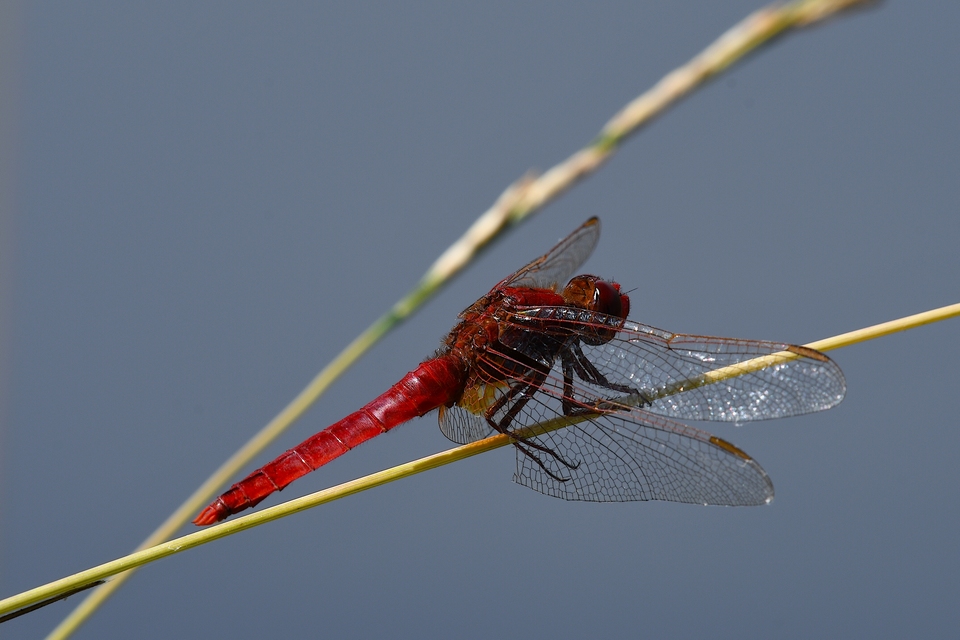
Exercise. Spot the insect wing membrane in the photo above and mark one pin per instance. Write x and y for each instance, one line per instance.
(630, 454)
(552, 270)
(669, 370)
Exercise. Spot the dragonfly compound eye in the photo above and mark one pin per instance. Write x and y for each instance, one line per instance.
(608, 299)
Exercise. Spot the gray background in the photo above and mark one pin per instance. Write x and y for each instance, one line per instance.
(213, 200)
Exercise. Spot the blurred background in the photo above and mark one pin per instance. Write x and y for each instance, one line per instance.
(205, 202)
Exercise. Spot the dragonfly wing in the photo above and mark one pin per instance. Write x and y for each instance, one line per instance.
(672, 371)
(808, 382)
(462, 426)
(641, 456)
(553, 270)
(625, 454)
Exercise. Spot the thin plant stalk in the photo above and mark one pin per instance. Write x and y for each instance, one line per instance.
(519, 201)
(57, 589)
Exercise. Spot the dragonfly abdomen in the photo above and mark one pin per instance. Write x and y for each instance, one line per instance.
(436, 382)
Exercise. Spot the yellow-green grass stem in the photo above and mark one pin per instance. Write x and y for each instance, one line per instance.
(58, 588)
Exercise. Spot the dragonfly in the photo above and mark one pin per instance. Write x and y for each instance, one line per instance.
(544, 347)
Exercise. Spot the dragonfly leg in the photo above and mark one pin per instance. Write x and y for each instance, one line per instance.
(503, 426)
(520, 394)
(539, 462)
(574, 362)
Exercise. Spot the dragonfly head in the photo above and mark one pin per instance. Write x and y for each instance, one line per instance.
(592, 293)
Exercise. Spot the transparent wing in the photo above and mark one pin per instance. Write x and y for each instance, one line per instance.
(640, 456)
(557, 266)
(463, 426)
(625, 453)
(671, 371)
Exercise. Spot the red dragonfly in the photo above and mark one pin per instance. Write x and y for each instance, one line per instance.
(533, 349)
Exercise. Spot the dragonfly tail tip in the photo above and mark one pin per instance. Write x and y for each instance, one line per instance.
(207, 516)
